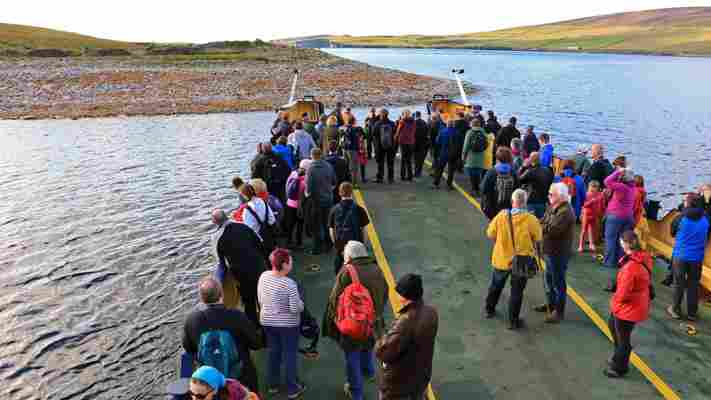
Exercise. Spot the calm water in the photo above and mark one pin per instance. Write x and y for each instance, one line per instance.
(105, 223)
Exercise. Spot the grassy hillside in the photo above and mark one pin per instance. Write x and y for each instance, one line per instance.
(22, 38)
(671, 31)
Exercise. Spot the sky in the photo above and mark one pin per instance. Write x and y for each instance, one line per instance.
(213, 20)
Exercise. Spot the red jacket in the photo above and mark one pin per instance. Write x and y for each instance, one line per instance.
(406, 131)
(631, 299)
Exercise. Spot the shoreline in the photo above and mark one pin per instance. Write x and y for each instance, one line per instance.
(95, 87)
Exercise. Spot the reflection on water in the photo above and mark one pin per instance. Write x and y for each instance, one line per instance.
(105, 222)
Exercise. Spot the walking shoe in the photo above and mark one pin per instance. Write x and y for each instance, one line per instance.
(611, 373)
(347, 390)
(489, 314)
(298, 392)
(273, 390)
(553, 318)
(691, 318)
(435, 187)
(668, 280)
(672, 313)
(542, 308)
(515, 324)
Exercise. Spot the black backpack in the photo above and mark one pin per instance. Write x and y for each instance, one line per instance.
(346, 224)
(386, 136)
(479, 144)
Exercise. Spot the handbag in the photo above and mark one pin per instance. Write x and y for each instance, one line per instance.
(521, 266)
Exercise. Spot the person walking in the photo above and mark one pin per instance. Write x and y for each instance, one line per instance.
(476, 143)
(691, 232)
(280, 315)
(320, 181)
(558, 231)
(630, 303)
(405, 136)
(359, 267)
(422, 143)
(346, 221)
(406, 351)
(515, 232)
(385, 146)
(445, 140)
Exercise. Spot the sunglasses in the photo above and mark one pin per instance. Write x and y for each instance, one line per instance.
(199, 396)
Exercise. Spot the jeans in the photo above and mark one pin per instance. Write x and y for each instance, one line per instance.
(420, 156)
(498, 281)
(320, 226)
(686, 279)
(381, 157)
(359, 363)
(283, 347)
(556, 287)
(614, 227)
(406, 163)
(621, 337)
(475, 174)
(537, 209)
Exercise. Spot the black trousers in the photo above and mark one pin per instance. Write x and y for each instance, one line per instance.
(420, 156)
(687, 276)
(338, 262)
(320, 225)
(407, 150)
(382, 157)
(451, 170)
(621, 336)
(249, 298)
(293, 222)
(498, 281)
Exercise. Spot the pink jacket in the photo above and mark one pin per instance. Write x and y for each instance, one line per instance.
(621, 204)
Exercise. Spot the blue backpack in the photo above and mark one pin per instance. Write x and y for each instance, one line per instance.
(217, 349)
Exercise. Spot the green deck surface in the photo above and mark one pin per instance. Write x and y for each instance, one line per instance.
(440, 235)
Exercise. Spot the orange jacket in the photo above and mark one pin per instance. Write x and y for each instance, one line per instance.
(631, 299)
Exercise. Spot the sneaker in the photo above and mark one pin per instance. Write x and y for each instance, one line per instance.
(273, 390)
(347, 390)
(691, 318)
(672, 313)
(298, 392)
(611, 373)
(542, 308)
(489, 314)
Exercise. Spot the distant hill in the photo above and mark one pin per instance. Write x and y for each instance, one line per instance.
(24, 38)
(676, 31)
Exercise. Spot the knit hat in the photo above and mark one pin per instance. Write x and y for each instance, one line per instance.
(410, 287)
(211, 376)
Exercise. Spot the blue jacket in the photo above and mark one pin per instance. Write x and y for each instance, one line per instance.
(547, 155)
(691, 236)
(580, 194)
(284, 152)
(443, 142)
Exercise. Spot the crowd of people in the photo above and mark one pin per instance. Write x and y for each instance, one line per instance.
(301, 185)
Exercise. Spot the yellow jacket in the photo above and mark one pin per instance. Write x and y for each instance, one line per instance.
(528, 231)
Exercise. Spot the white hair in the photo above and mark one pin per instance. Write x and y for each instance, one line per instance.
(354, 250)
(561, 189)
(520, 197)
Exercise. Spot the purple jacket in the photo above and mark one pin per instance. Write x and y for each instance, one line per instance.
(622, 202)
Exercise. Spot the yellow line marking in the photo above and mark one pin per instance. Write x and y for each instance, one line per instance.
(395, 302)
(661, 386)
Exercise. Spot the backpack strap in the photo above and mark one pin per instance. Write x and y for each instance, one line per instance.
(353, 273)
(254, 214)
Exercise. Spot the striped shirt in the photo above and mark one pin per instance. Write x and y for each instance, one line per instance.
(279, 301)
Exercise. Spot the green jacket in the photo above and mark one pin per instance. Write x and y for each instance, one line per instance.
(472, 159)
(372, 278)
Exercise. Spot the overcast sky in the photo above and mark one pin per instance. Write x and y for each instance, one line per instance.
(203, 21)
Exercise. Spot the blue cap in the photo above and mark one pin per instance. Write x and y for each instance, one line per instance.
(211, 376)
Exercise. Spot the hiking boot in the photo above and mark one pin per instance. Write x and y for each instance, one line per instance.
(542, 308)
(553, 318)
(673, 313)
(299, 391)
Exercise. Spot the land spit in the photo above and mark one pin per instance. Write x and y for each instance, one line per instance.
(256, 80)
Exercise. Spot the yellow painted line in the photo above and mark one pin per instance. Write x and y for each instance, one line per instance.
(384, 267)
(636, 360)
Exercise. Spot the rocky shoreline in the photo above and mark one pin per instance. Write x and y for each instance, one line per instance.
(85, 87)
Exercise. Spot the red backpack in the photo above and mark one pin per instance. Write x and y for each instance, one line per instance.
(570, 183)
(355, 313)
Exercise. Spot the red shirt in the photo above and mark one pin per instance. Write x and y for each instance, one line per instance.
(631, 299)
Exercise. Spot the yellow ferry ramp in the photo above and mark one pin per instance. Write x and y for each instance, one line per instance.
(385, 267)
(664, 389)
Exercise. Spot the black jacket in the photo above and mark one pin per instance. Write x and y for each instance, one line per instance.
(422, 137)
(492, 126)
(241, 250)
(273, 170)
(506, 134)
(598, 171)
(530, 143)
(376, 133)
(343, 174)
(218, 317)
(539, 179)
(490, 206)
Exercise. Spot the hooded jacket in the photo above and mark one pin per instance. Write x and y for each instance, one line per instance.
(579, 199)
(285, 153)
(547, 155)
(630, 302)
(691, 233)
(320, 181)
(471, 158)
(621, 204)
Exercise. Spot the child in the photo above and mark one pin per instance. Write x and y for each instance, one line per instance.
(640, 196)
(591, 215)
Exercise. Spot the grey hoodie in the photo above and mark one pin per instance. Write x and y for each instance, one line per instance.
(320, 181)
(303, 142)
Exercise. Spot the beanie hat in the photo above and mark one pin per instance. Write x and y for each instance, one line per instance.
(211, 376)
(410, 287)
